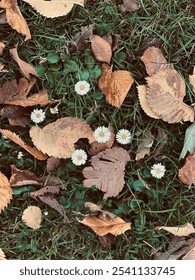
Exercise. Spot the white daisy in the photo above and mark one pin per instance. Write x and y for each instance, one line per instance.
(82, 87)
(158, 170)
(79, 157)
(102, 134)
(37, 115)
(54, 110)
(20, 155)
(123, 136)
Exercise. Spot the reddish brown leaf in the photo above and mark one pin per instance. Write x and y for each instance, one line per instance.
(115, 85)
(101, 49)
(17, 115)
(52, 164)
(187, 172)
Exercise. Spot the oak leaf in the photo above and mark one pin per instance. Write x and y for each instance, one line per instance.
(192, 79)
(101, 49)
(182, 230)
(2, 255)
(32, 150)
(25, 68)
(129, 6)
(14, 93)
(107, 171)
(104, 224)
(187, 172)
(15, 18)
(154, 61)
(115, 85)
(53, 8)
(32, 217)
(5, 191)
(17, 115)
(57, 139)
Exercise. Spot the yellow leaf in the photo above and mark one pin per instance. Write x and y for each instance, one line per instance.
(182, 230)
(32, 217)
(5, 191)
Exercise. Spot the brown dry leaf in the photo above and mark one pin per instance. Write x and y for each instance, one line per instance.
(17, 115)
(112, 40)
(106, 240)
(182, 230)
(32, 150)
(2, 69)
(165, 93)
(191, 254)
(187, 172)
(154, 61)
(129, 6)
(3, 19)
(99, 147)
(2, 255)
(162, 140)
(57, 139)
(53, 8)
(145, 142)
(5, 191)
(14, 93)
(25, 68)
(101, 49)
(52, 164)
(107, 171)
(192, 79)
(15, 18)
(115, 85)
(81, 42)
(32, 217)
(104, 225)
(2, 46)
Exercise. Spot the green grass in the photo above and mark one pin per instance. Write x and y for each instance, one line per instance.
(167, 24)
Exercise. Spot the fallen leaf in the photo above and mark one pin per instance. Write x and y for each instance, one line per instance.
(115, 85)
(182, 230)
(32, 150)
(190, 255)
(106, 240)
(162, 141)
(52, 164)
(14, 93)
(145, 142)
(99, 147)
(192, 79)
(154, 61)
(2, 46)
(189, 141)
(25, 68)
(3, 19)
(32, 217)
(81, 44)
(101, 49)
(2, 69)
(107, 171)
(165, 92)
(53, 8)
(187, 172)
(2, 255)
(57, 139)
(112, 40)
(5, 192)
(102, 226)
(129, 6)
(17, 115)
(15, 18)
(96, 208)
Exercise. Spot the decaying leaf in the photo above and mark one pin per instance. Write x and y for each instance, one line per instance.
(53, 8)
(25, 68)
(57, 139)
(106, 240)
(17, 115)
(112, 40)
(145, 142)
(15, 18)
(52, 164)
(129, 6)
(14, 93)
(32, 150)
(182, 230)
(115, 85)
(99, 147)
(81, 41)
(104, 225)
(154, 61)
(107, 171)
(5, 191)
(164, 93)
(32, 217)
(189, 141)
(187, 172)
(162, 140)
(101, 49)
(2, 255)
(192, 79)
(2, 46)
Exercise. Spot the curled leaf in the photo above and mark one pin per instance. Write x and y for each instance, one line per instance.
(32, 217)
(5, 192)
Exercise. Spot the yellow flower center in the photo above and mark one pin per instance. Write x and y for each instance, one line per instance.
(101, 133)
(158, 170)
(38, 115)
(82, 87)
(79, 157)
(124, 136)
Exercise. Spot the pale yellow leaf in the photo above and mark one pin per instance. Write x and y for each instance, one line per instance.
(5, 192)
(2, 255)
(32, 217)
(182, 230)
